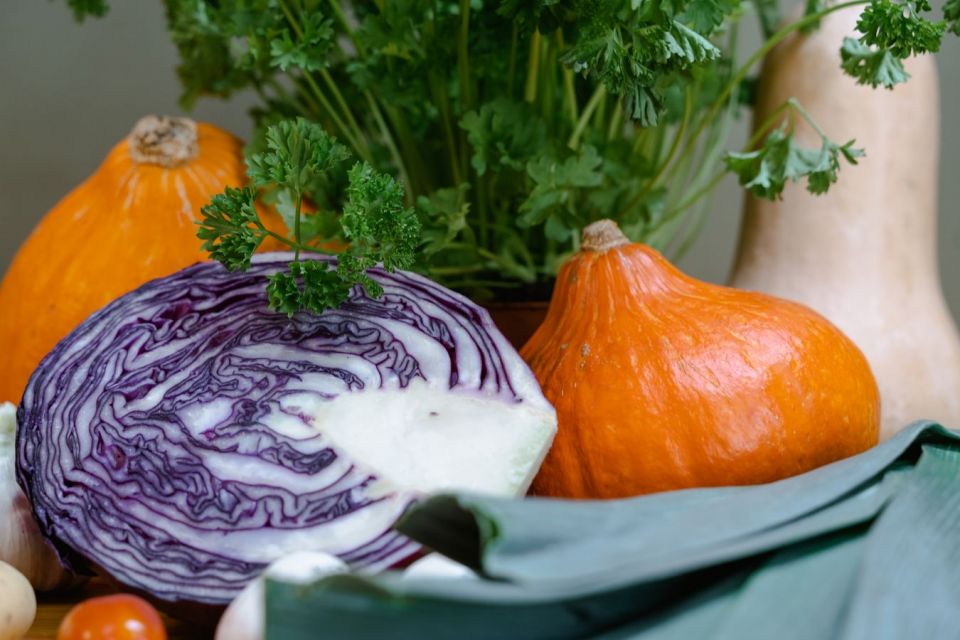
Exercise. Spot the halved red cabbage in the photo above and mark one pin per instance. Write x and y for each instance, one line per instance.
(185, 436)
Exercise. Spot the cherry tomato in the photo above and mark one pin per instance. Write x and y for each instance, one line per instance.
(118, 617)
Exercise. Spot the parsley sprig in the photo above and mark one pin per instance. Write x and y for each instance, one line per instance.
(892, 30)
(298, 162)
(766, 170)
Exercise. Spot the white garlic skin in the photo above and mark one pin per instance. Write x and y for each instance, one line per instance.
(18, 604)
(21, 543)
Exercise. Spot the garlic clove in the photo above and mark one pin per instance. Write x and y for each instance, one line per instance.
(18, 604)
(435, 565)
(245, 618)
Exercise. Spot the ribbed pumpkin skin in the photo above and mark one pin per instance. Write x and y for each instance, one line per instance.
(663, 382)
(128, 223)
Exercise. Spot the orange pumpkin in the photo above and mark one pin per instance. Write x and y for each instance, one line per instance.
(662, 382)
(131, 221)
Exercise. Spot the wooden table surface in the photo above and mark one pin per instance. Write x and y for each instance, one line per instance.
(52, 609)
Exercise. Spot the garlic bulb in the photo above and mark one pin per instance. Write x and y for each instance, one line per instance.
(21, 544)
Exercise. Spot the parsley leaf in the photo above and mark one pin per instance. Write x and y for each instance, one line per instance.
(706, 16)
(299, 156)
(552, 199)
(444, 216)
(83, 9)
(951, 12)
(376, 223)
(309, 284)
(307, 51)
(631, 52)
(207, 37)
(766, 171)
(230, 228)
(875, 67)
(892, 31)
(899, 28)
(503, 134)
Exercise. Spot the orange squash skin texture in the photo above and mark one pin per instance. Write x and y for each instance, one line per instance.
(128, 223)
(662, 382)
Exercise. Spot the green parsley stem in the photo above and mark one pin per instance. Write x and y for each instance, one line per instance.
(341, 125)
(767, 124)
(347, 29)
(775, 117)
(501, 263)
(442, 101)
(391, 145)
(473, 283)
(570, 93)
(296, 226)
(692, 231)
(463, 60)
(483, 209)
(547, 91)
(595, 99)
(713, 148)
(458, 271)
(290, 18)
(533, 69)
(305, 97)
(695, 196)
(754, 139)
(512, 65)
(671, 154)
(282, 239)
(357, 132)
(421, 179)
(278, 89)
(677, 138)
(796, 106)
(616, 120)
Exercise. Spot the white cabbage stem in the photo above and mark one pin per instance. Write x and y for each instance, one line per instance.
(21, 543)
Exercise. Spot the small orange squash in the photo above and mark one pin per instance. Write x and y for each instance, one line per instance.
(663, 382)
(131, 221)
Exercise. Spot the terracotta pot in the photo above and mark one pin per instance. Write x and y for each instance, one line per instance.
(517, 320)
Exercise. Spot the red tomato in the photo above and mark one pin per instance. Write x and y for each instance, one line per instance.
(119, 617)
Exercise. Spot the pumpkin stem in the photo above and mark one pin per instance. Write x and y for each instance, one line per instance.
(163, 140)
(602, 235)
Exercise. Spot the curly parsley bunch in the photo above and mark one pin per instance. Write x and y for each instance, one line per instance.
(473, 139)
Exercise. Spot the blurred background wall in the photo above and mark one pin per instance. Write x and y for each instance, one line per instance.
(69, 92)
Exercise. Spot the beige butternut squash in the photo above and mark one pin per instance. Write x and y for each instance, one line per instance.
(865, 254)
